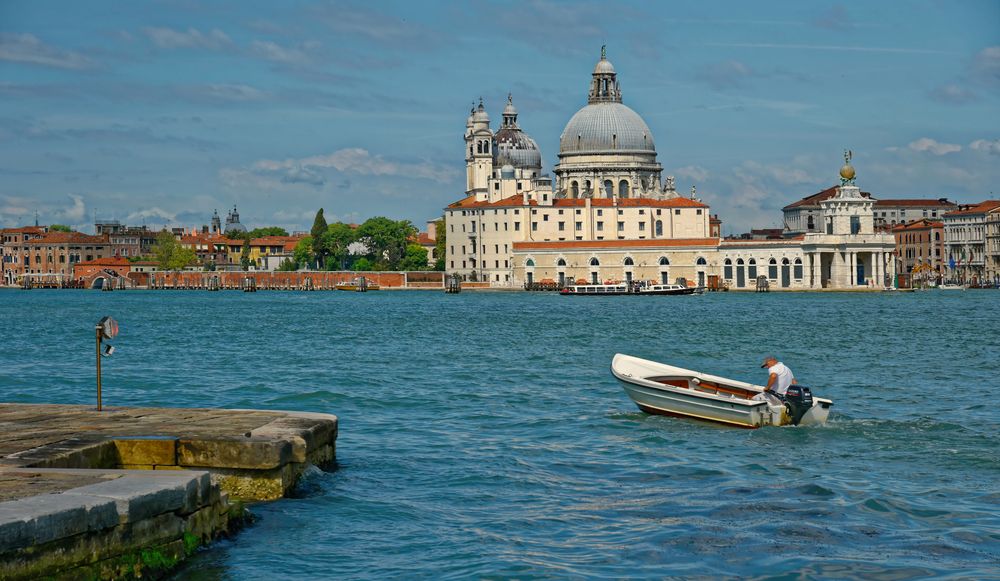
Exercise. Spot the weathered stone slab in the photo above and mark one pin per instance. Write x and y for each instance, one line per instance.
(139, 498)
(154, 451)
(41, 519)
(246, 453)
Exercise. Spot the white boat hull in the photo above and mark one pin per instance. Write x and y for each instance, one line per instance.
(662, 389)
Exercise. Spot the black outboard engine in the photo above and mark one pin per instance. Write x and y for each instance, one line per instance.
(798, 400)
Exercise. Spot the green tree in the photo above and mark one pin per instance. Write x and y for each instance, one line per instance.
(303, 253)
(336, 241)
(245, 255)
(267, 231)
(170, 255)
(59, 228)
(440, 243)
(288, 265)
(415, 259)
(318, 231)
(362, 264)
(385, 240)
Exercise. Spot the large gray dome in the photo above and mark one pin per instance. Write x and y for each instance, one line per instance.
(606, 127)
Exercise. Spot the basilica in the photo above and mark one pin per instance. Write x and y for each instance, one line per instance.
(610, 215)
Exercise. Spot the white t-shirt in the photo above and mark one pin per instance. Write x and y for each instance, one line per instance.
(784, 378)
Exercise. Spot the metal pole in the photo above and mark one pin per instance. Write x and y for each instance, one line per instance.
(98, 332)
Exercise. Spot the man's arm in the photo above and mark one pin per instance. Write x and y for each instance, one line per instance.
(770, 381)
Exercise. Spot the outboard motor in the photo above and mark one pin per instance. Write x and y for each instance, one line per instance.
(798, 400)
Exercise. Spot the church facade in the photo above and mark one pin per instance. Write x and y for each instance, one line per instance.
(610, 215)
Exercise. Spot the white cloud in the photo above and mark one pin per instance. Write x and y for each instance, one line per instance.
(155, 213)
(693, 172)
(986, 146)
(360, 161)
(725, 75)
(953, 94)
(788, 176)
(935, 147)
(169, 38)
(987, 64)
(227, 92)
(27, 48)
(276, 53)
(75, 213)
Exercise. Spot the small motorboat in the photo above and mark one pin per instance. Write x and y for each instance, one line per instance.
(672, 391)
(952, 286)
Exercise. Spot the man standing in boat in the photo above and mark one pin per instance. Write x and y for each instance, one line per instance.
(778, 379)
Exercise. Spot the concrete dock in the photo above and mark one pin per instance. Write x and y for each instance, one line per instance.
(130, 492)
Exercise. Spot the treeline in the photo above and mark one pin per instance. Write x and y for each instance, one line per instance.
(377, 244)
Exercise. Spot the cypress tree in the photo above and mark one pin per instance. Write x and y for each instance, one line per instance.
(318, 233)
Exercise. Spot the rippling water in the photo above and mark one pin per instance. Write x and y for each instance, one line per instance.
(483, 436)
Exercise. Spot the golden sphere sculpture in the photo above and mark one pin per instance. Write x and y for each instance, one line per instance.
(847, 172)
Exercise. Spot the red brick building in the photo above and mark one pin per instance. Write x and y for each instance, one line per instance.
(12, 240)
(920, 249)
(57, 252)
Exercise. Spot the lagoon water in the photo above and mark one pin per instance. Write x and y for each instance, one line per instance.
(482, 435)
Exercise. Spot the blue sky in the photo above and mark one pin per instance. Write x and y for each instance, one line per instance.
(160, 112)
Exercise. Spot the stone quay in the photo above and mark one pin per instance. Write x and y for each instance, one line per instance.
(131, 492)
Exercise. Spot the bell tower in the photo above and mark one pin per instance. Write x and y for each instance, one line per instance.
(479, 152)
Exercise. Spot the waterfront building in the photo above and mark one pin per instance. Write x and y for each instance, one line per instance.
(608, 189)
(55, 253)
(805, 215)
(965, 240)
(993, 246)
(920, 249)
(11, 251)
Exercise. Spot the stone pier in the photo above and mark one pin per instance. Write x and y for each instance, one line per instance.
(130, 492)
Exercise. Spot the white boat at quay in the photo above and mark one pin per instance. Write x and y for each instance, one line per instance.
(950, 286)
(673, 391)
(625, 288)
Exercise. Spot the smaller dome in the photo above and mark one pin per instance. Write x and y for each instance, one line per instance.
(509, 109)
(604, 67)
(507, 172)
(480, 115)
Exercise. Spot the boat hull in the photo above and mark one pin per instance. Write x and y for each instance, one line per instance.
(661, 389)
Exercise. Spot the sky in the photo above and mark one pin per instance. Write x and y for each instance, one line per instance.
(159, 112)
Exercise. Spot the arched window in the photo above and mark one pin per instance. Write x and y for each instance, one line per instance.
(561, 262)
(595, 262)
(609, 189)
(623, 189)
(659, 227)
(937, 236)
(809, 222)
(784, 261)
(629, 261)
(664, 261)
(727, 269)
(772, 269)
(479, 147)
(575, 189)
(701, 261)
(798, 269)
(739, 261)
(752, 269)
(530, 262)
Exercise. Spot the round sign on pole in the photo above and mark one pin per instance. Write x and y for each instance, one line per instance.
(109, 327)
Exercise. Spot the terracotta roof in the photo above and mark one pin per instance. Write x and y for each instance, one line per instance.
(424, 239)
(921, 224)
(750, 242)
(208, 239)
(939, 202)
(274, 240)
(816, 198)
(67, 238)
(518, 201)
(654, 243)
(24, 230)
(110, 261)
(980, 208)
